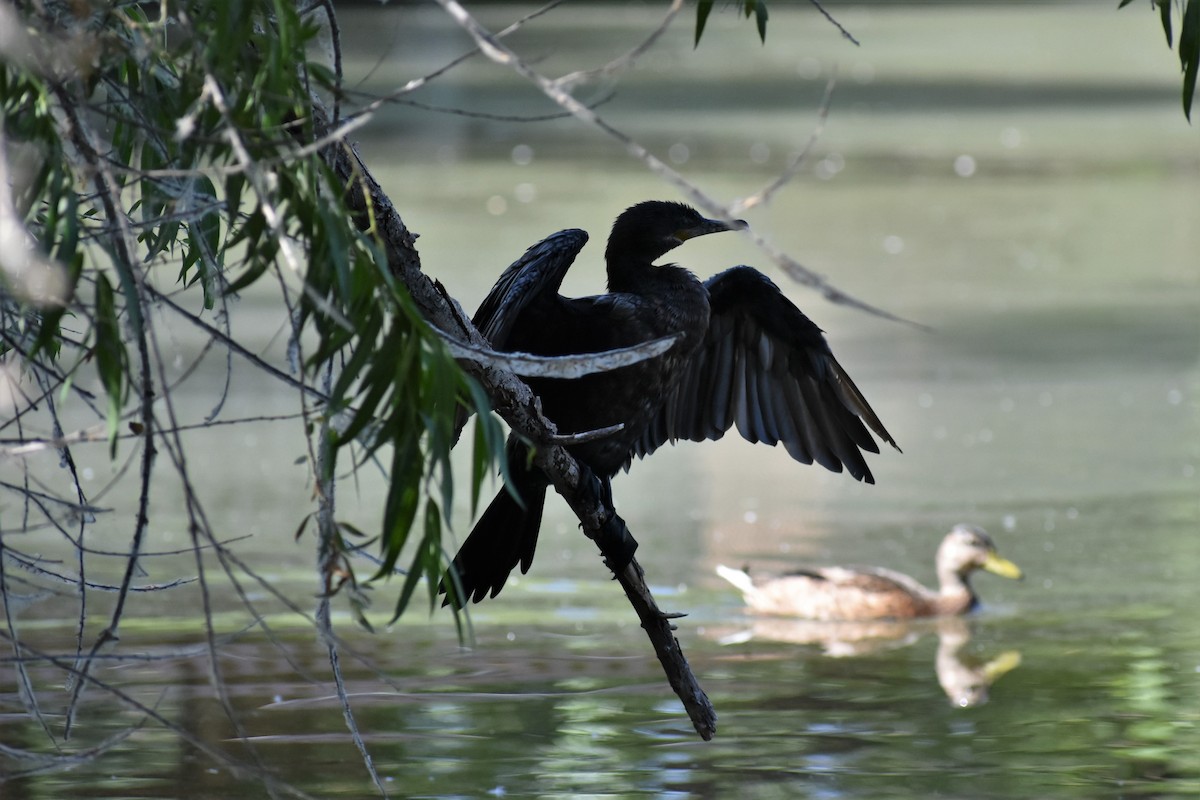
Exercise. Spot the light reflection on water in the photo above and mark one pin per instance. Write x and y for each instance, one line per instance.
(1055, 403)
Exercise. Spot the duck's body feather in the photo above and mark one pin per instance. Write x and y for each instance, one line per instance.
(870, 593)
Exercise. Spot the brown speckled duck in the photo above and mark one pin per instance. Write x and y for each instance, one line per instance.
(840, 593)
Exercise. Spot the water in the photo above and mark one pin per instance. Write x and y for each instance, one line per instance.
(1018, 180)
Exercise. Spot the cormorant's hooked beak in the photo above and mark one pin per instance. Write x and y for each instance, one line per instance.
(709, 226)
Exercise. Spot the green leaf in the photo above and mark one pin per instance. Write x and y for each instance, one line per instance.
(760, 12)
(400, 507)
(110, 356)
(703, 9)
(1164, 12)
(426, 561)
(364, 350)
(1189, 53)
(66, 211)
(204, 237)
(489, 441)
(48, 339)
(322, 74)
(258, 257)
(480, 462)
(234, 185)
(303, 525)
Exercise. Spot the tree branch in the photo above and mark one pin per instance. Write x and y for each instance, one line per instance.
(516, 404)
(554, 89)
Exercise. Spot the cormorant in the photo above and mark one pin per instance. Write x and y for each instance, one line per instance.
(744, 354)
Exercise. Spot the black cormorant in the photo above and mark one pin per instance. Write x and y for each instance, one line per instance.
(744, 355)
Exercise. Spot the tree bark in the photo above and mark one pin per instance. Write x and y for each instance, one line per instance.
(516, 404)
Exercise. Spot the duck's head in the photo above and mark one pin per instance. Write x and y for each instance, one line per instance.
(967, 548)
(646, 231)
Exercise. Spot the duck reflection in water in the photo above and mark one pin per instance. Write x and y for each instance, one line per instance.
(964, 677)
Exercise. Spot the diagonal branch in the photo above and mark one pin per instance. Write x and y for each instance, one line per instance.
(553, 89)
(764, 195)
(516, 404)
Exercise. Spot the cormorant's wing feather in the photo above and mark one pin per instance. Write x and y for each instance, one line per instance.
(534, 275)
(766, 368)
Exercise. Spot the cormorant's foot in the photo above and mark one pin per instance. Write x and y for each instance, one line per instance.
(616, 544)
(600, 489)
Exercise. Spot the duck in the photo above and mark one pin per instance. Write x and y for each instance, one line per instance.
(871, 593)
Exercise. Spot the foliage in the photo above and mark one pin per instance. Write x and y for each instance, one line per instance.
(756, 7)
(1189, 41)
(1187, 10)
(180, 149)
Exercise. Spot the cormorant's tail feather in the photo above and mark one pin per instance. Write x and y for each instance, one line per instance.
(504, 537)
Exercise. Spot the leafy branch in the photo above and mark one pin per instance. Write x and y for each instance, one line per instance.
(758, 9)
(1189, 41)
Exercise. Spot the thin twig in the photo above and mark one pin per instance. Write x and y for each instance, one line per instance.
(417, 83)
(789, 172)
(499, 53)
(568, 82)
(571, 439)
(98, 433)
(25, 688)
(217, 754)
(83, 138)
(328, 559)
(835, 23)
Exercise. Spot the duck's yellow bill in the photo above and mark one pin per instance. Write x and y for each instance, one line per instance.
(1001, 566)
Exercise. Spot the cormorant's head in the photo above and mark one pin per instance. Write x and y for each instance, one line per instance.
(650, 229)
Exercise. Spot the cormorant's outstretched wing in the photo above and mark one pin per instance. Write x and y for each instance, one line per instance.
(537, 273)
(766, 367)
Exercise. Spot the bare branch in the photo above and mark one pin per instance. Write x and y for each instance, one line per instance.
(662, 633)
(30, 565)
(217, 754)
(514, 401)
(84, 139)
(569, 439)
(417, 83)
(621, 63)
(805, 276)
(328, 558)
(499, 53)
(835, 23)
(765, 194)
(528, 365)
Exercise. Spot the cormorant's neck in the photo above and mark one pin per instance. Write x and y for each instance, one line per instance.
(627, 272)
